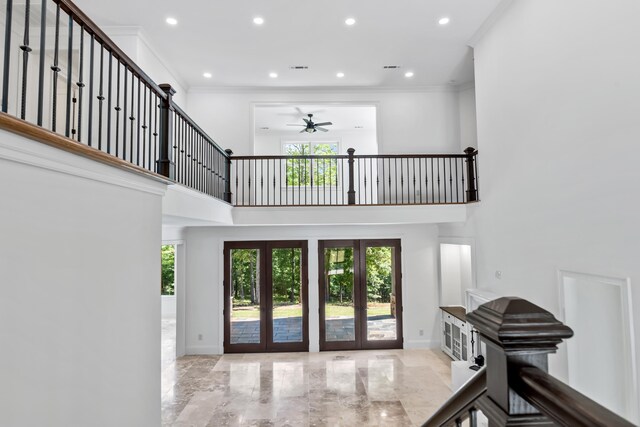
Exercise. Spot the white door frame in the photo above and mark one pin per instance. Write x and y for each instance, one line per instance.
(180, 291)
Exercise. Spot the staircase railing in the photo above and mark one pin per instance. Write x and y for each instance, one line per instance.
(63, 73)
(515, 388)
(338, 180)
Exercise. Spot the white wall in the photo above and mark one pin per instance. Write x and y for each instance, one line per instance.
(135, 44)
(364, 141)
(205, 275)
(467, 115)
(558, 101)
(79, 307)
(455, 273)
(408, 121)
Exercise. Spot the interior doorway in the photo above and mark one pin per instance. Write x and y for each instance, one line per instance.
(266, 300)
(168, 304)
(361, 294)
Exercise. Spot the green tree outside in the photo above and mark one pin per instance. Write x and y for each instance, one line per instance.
(168, 270)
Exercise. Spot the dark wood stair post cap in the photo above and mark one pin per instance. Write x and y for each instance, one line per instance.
(470, 150)
(517, 333)
(515, 324)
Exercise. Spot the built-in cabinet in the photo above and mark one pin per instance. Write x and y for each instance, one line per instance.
(455, 332)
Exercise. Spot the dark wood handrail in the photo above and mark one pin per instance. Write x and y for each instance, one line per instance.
(92, 28)
(39, 134)
(459, 404)
(562, 403)
(198, 129)
(286, 157)
(410, 156)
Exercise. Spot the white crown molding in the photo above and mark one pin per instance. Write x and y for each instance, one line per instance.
(138, 32)
(35, 154)
(489, 22)
(325, 89)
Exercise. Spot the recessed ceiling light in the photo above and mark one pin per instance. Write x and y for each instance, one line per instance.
(350, 21)
(258, 20)
(340, 75)
(207, 75)
(408, 74)
(172, 21)
(273, 75)
(444, 21)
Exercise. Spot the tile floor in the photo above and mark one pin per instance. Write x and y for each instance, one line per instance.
(349, 388)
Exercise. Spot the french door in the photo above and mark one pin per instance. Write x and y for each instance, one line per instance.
(266, 303)
(360, 294)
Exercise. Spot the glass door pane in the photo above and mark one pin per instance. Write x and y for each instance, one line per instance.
(286, 295)
(339, 294)
(380, 294)
(245, 296)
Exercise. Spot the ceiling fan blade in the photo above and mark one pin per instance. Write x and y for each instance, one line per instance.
(295, 125)
(307, 121)
(324, 124)
(322, 129)
(303, 130)
(302, 113)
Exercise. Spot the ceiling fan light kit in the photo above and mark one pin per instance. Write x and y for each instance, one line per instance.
(312, 127)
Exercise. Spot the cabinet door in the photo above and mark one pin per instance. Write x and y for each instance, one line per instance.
(447, 336)
(463, 339)
(456, 341)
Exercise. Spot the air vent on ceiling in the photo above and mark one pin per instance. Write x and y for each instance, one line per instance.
(390, 67)
(299, 67)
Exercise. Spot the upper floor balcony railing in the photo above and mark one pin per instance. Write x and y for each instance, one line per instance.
(388, 179)
(62, 73)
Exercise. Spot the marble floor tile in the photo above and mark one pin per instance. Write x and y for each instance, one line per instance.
(349, 388)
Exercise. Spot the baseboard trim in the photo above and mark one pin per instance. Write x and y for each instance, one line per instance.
(203, 350)
(411, 344)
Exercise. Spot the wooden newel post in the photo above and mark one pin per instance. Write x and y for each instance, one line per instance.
(472, 188)
(351, 194)
(227, 176)
(517, 333)
(166, 167)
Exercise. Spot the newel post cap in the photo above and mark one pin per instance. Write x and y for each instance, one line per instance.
(470, 150)
(167, 88)
(518, 325)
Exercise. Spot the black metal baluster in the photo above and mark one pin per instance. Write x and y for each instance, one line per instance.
(124, 113)
(438, 164)
(473, 417)
(91, 74)
(444, 178)
(67, 130)
(133, 121)
(420, 178)
(138, 130)
(457, 182)
(390, 195)
(433, 192)
(43, 39)
(451, 180)
(117, 108)
(7, 54)
(244, 174)
(155, 128)
(371, 169)
(80, 83)
(26, 49)
(458, 422)
(74, 101)
(415, 199)
(144, 129)
(255, 183)
(237, 170)
(299, 180)
(100, 97)
(56, 70)
(395, 163)
(268, 179)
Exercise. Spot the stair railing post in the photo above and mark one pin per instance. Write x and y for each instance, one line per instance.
(227, 176)
(472, 189)
(517, 333)
(166, 166)
(351, 194)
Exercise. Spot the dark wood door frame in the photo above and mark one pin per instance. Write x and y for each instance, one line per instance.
(266, 304)
(360, 294)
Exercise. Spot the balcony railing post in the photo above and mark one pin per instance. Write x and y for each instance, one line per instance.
(517, 333)
(166, 166)
(472, 189)
(227, 176)
(351, 194)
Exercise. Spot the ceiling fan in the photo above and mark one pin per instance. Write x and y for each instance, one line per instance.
(312, 127)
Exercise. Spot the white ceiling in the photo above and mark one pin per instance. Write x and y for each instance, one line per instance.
(219, 37)
(345, 118)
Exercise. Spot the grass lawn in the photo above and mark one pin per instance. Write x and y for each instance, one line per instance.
(253, 311)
